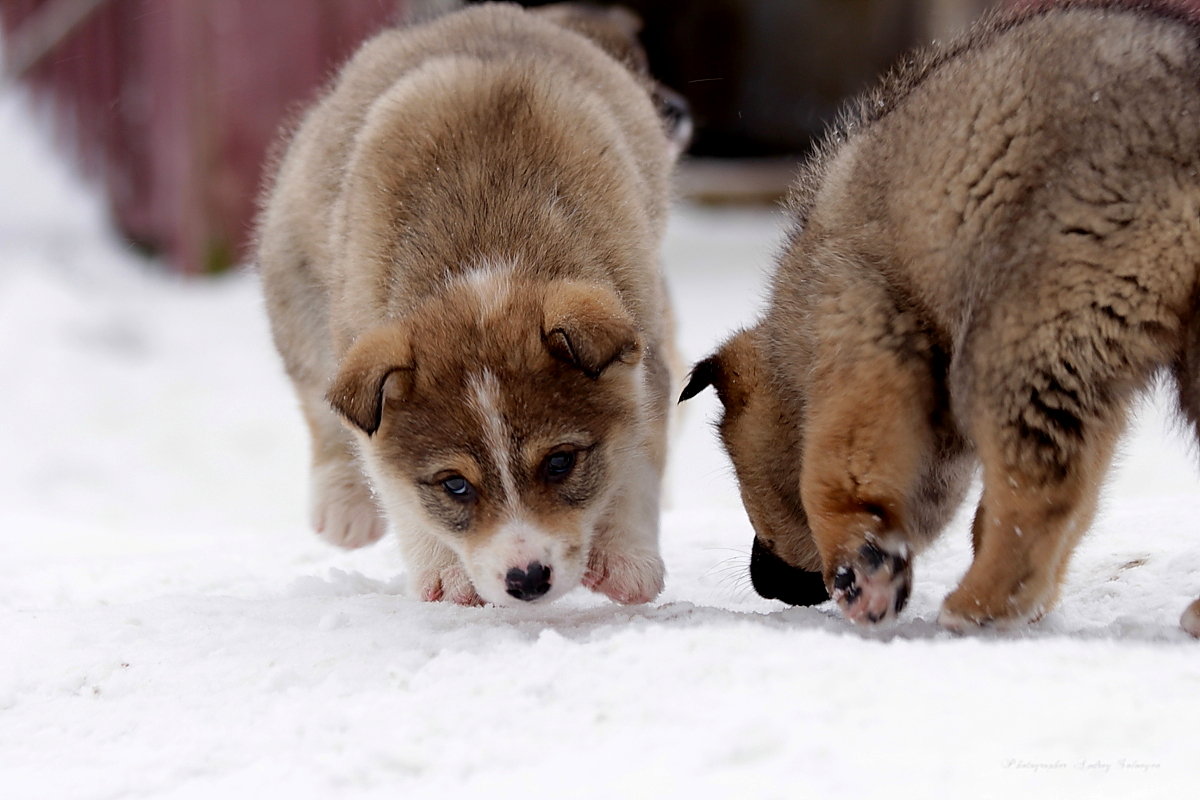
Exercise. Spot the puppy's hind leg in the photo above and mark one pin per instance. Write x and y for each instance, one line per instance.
(1027, 524)
(342, 508)
(1045, 404)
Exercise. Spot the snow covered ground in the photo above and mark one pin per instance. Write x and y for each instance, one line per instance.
(170, 628)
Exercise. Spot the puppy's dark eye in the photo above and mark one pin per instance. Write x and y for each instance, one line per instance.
(458, 487)
(559, 465)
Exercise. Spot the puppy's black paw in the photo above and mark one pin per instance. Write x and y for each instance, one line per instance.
(874, 585)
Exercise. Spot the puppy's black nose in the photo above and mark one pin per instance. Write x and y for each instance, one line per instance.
(529, 583)
(774, 578)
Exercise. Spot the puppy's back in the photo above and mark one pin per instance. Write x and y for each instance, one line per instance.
(530, 50)
(1036, 143)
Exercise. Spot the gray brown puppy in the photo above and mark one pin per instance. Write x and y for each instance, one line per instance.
(991, 255)
(460, 260)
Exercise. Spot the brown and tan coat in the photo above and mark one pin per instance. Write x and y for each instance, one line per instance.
(460, 260)
(990, 257)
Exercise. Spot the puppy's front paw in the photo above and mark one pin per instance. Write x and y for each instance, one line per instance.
(343, 511)
(965, 609)
(875, 584)
(627, 578)
(450, 584)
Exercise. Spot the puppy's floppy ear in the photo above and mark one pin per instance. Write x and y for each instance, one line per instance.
(587, 327)
(734, 370)
(377, 365)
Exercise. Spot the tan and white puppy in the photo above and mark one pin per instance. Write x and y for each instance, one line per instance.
(460, 259)
(991, 255)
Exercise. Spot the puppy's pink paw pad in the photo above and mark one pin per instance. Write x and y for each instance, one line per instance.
(875, 585)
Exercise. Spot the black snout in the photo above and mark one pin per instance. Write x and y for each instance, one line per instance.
(775, 579)
(529, 583)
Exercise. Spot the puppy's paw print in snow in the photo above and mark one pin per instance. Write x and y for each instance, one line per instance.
(450, 584)
(874, 585)
(626, 578)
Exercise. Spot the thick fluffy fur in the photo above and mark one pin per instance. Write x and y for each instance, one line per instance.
(992, 254)
(459, 255)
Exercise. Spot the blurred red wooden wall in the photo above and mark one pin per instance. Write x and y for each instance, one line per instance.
(172, 104)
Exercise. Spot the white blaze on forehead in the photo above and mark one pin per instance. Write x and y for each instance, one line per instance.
(485, 399)
(490, 279)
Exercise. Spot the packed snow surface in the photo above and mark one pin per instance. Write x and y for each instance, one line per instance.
(169, 627)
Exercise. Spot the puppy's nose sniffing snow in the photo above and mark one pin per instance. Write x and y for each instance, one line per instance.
(529, 583)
